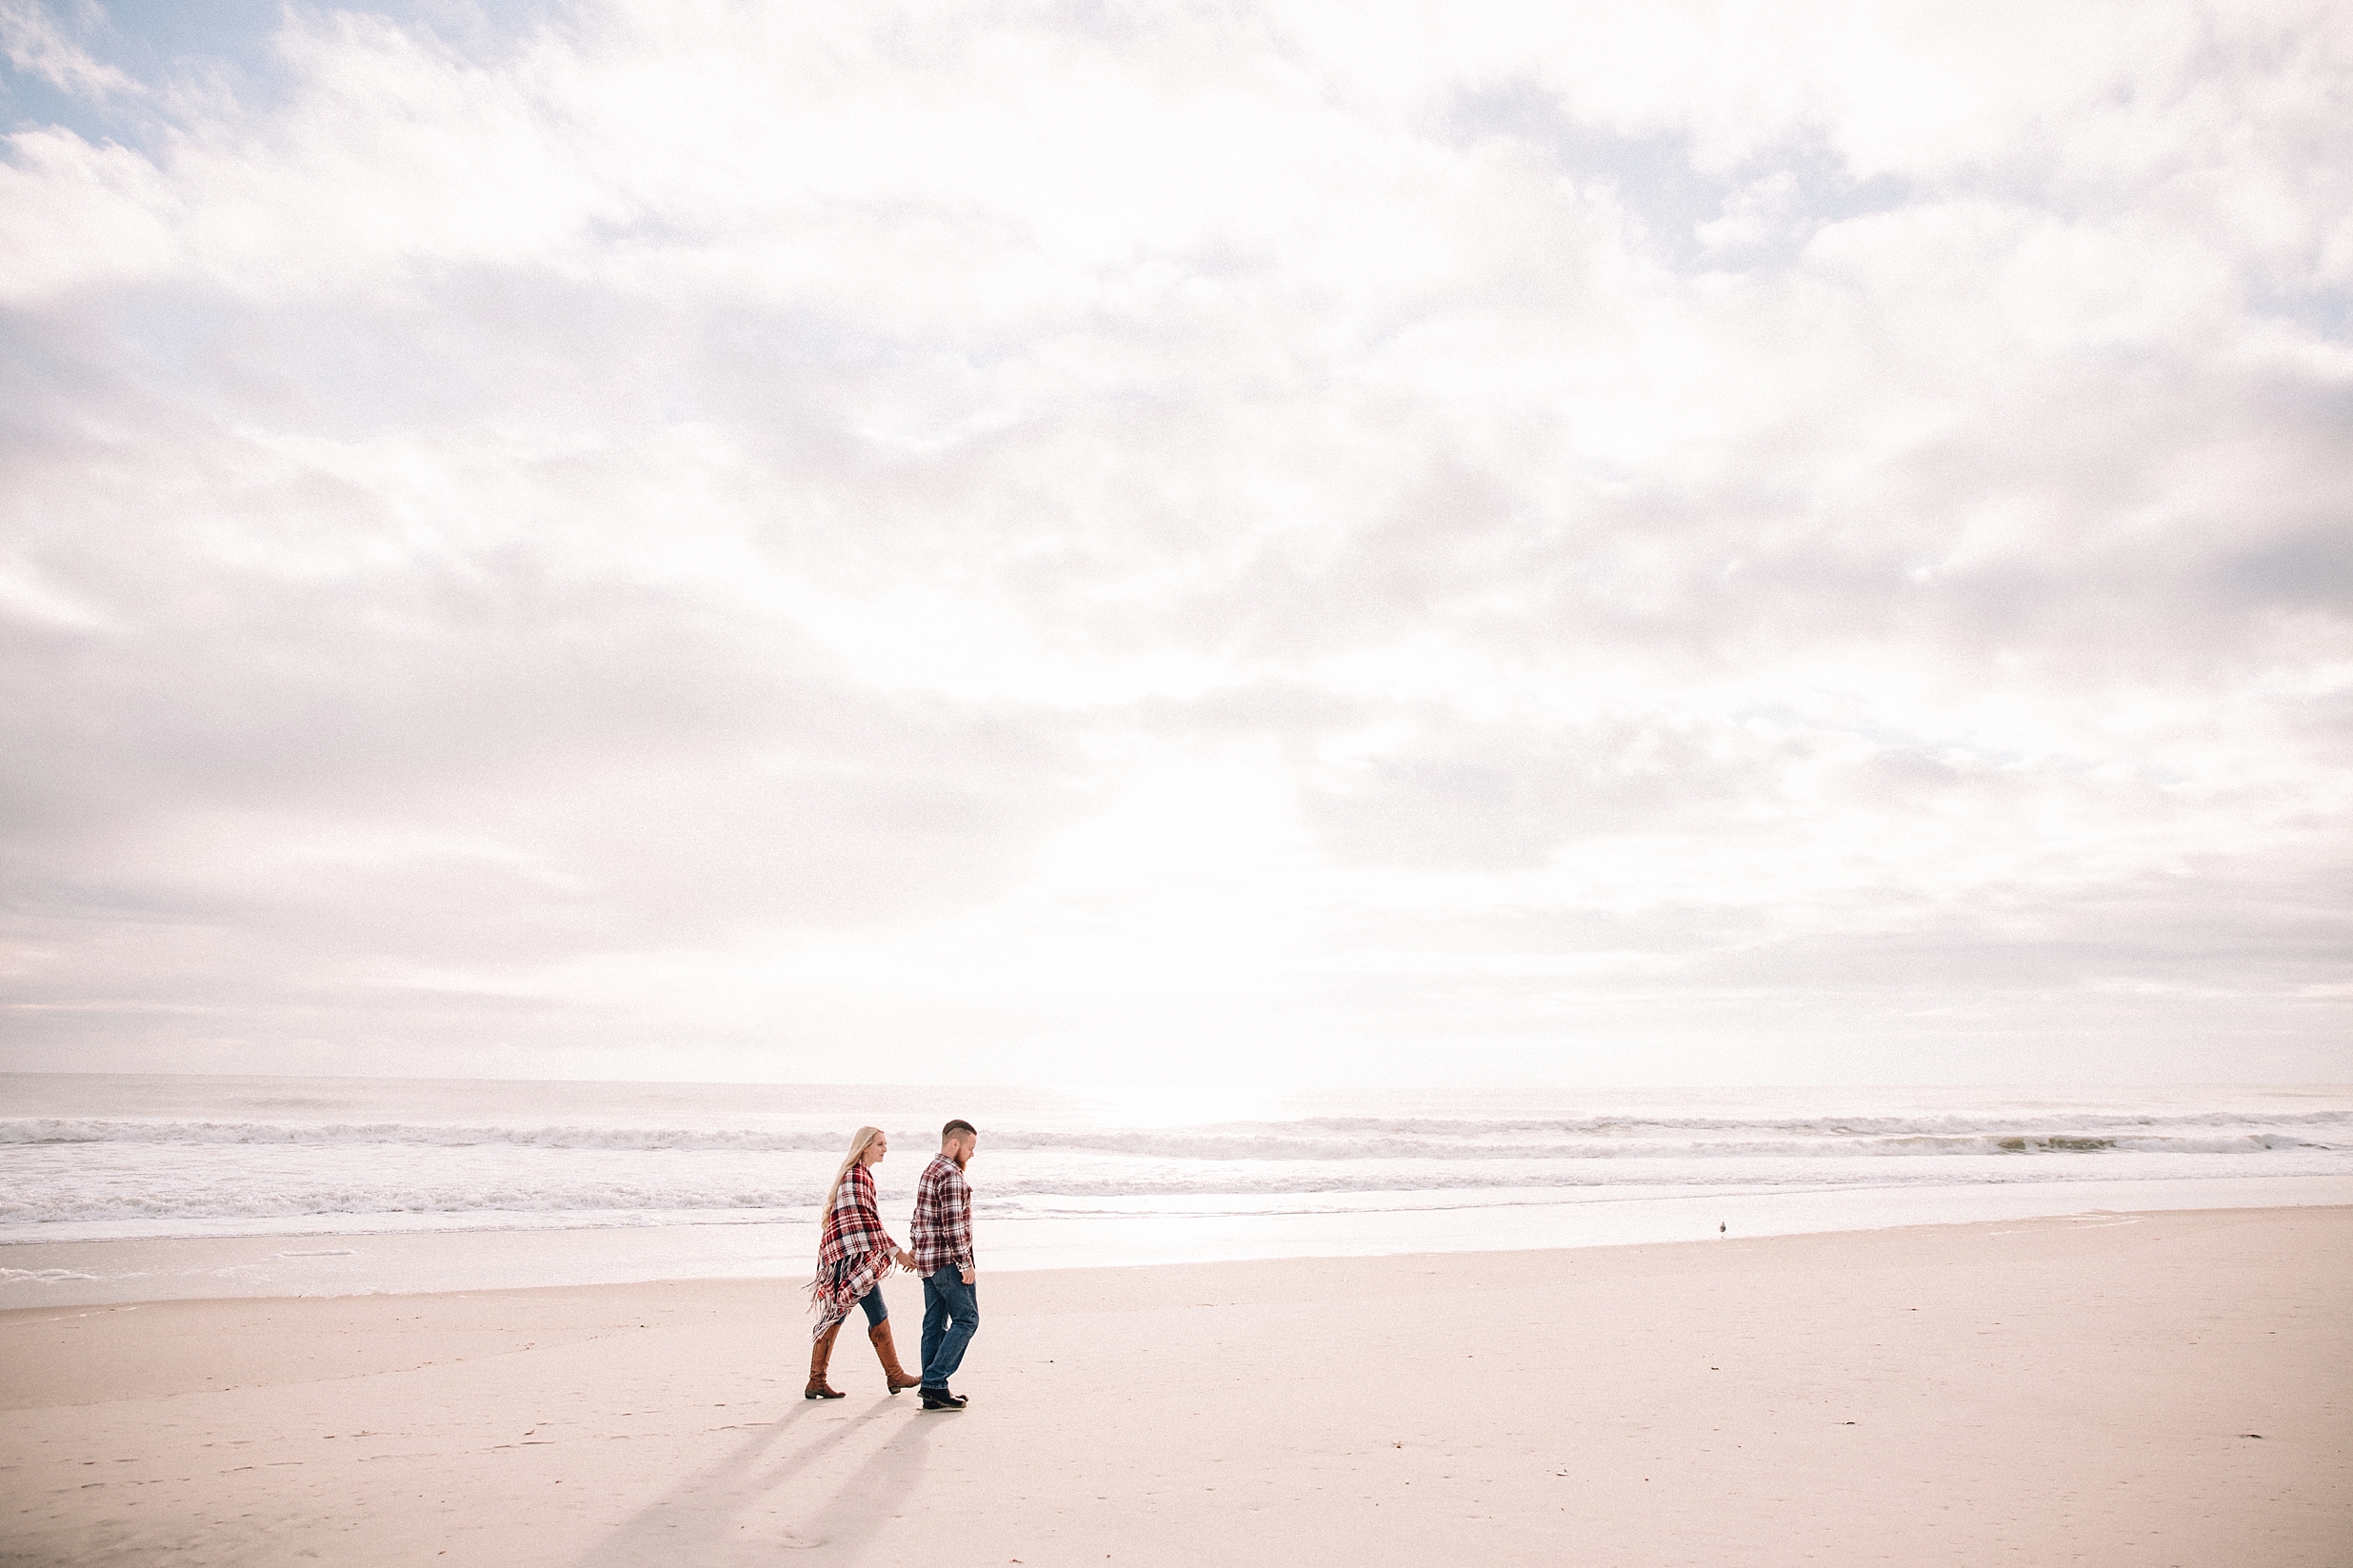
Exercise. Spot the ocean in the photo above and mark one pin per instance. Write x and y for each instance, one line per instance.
(470, 1183)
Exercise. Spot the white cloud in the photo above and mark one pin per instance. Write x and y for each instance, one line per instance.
(1755, 542)
(39, 44)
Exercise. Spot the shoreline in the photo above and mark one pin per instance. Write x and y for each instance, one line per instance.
(341, 1259)
(2054, 1389)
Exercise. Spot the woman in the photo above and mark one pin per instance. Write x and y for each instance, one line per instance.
(852, 1258)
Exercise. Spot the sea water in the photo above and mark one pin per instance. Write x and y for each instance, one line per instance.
(416, 1185)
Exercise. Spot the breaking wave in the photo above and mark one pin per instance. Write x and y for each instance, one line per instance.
(164, 1174)
(1331, 1138)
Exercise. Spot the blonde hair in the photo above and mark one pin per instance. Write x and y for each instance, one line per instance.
(857, 1146)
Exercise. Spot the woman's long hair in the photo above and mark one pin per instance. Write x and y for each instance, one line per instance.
(857, 1146)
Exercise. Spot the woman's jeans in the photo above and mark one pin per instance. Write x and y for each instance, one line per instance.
(876, 1309)
(951, 1312)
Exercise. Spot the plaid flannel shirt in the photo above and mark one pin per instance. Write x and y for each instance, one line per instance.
(943, 1217)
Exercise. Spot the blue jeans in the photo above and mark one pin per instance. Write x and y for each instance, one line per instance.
(951, 1312)
(876, 1309)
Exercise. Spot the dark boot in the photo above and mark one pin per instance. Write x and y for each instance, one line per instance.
(894, 1373)
(940, 1399)
(821, 1353)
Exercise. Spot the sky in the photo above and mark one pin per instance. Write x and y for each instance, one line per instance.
(1284, 543)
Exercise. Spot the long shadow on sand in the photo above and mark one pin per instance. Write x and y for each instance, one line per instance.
(883, 1487)
(701, 1522)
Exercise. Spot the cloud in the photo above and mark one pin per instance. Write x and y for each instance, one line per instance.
(39, 44)
(1023, 542)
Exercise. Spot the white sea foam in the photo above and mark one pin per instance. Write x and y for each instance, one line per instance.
(84, 1130)
(1338, 1138)
(169, 1157)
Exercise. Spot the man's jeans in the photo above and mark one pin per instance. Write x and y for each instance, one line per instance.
(951, 1312)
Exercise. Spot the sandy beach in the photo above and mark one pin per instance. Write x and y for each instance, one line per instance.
(2169, 1389)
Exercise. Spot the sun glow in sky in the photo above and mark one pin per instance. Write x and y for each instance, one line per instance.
(1238, 545)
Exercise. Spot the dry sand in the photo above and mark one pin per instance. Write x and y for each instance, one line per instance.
(2046, 1392)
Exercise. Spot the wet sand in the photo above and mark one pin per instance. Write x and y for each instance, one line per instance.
(2086, 1390)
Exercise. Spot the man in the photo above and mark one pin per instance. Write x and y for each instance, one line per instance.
(943, 1258)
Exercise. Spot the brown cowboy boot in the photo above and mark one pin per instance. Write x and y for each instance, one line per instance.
(894, 1373)
(819, 1355)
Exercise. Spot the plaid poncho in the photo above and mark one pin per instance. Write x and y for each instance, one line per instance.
(854, 1254)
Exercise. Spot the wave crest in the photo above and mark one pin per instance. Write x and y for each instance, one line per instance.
(1328, 1139)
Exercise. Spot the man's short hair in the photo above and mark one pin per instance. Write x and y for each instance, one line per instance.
(958, 1126)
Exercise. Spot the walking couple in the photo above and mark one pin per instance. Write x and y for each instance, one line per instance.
(856, 1252)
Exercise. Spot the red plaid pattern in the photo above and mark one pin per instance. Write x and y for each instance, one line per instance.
(854, 1228)
(943, 1217)
(854, 1253)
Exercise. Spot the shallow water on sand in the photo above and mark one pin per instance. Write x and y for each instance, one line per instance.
(607, 1180)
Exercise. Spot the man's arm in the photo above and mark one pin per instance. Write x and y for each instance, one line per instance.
(960, 1206)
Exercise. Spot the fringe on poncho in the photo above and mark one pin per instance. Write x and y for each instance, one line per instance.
(854, 1253)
